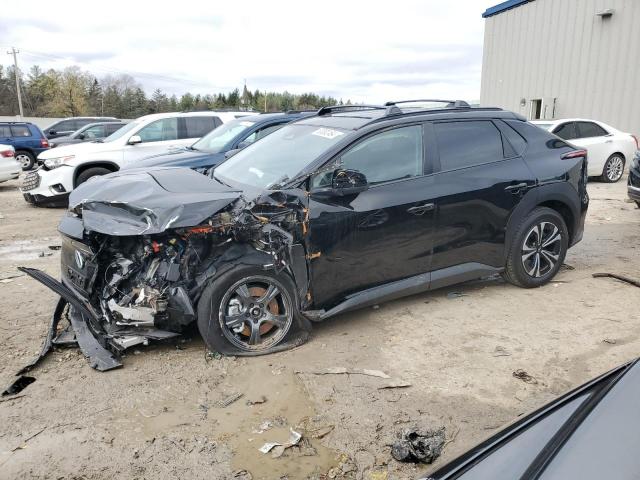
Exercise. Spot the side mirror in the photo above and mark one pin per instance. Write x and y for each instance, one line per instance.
(134, 139)
(242, 145)
(348, 182)
(52, 132)
(231, 153)
(81, 136)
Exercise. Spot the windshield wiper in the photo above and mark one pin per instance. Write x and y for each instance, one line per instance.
(279, 183)
(213, 175)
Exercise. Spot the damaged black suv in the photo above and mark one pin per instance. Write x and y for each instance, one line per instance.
(354, 206)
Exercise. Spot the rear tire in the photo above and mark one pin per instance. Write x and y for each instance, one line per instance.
(26, 159)
(538, 249)
(91, 172)
(613, 168)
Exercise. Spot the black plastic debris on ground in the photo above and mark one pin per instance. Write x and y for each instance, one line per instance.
(18, 385)
(418, 446)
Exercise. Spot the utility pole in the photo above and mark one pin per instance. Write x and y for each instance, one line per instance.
(14, 52)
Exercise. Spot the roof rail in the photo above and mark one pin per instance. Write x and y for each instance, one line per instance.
(346, 108)
(449, 103)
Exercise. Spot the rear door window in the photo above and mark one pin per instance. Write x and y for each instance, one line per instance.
(590, 129)
(566, 131)
(20, 131)
(196, 127)
(469, 143)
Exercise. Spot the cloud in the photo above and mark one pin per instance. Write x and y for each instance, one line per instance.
(352, 50)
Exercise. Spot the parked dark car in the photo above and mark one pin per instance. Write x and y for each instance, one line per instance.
(91, 132)
(351, 207)
(27, 139)
(222, 142)
(590, 433)
(64, 128)
(633, 182)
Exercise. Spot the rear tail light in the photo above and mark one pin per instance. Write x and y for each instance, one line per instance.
(6, 153)
(44, 143)
(636, 140)
(574, 154)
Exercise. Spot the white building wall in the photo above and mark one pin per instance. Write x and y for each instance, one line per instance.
(560, 49)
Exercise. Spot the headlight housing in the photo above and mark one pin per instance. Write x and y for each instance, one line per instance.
(57, 162)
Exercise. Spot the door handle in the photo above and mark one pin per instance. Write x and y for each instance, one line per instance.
(421, 209)
(516, 188)
(608, 141)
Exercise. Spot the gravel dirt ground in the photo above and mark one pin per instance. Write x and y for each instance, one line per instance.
(158, 416)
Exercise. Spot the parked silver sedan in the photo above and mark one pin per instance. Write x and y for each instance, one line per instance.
(10, 168)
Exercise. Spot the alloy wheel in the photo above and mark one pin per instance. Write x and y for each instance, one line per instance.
(614, 169)
(24, 160)
(255, 313)
(541, 249)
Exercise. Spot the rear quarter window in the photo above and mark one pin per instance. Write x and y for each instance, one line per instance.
(20, 131)
(516, 143)
(5, 131)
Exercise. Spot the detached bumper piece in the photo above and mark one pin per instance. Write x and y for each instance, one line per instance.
(90, 339)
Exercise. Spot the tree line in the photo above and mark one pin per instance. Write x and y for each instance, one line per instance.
(73, 92)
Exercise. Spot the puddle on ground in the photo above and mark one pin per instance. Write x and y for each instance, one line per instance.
(244, 428)
(21, 250)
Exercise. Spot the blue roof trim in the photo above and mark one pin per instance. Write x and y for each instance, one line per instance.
(501, 7)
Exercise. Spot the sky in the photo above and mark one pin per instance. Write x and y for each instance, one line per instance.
(357, 50)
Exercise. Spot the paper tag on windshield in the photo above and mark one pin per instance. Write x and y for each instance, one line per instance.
(327, 133)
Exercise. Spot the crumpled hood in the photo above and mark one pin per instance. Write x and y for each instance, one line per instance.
(139, 202)
(180, 158)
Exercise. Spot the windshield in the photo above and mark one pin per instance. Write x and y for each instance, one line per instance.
(217, 139)
(544, 126)
(122, 131)
(279, 156)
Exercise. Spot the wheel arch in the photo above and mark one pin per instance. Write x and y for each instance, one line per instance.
(98, 163)
(560, 197)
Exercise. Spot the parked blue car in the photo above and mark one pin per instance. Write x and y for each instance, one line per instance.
(26, 138)
(222, 142)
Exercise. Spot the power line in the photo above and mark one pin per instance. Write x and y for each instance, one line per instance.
(14, 52)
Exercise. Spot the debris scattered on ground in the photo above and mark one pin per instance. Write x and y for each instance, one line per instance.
(55, 247)
(277, 449)
(257, 401)
(345, 371)
(270, 423)
(6, 280)
(452, 295)
(11, 276)
(314, 427)
(416, 445)
(565, 266)
(45, 254)
(242, 475)
(622, 278)
(22, 382)
(501, 352)
(520, 374)
(23, 445)
(610, 341)
(394, 384)
(225, 402)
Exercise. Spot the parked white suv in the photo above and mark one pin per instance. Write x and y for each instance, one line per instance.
(64, 168)
(608, 149)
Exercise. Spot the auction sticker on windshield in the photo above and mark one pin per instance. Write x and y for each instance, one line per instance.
(327, 133)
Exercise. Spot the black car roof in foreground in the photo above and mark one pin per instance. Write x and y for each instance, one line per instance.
(355, 117)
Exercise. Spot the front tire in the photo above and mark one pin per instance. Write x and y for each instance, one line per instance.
(247, 311)
(91, 172)
(613, 168)
(26, 159)
(538, 249)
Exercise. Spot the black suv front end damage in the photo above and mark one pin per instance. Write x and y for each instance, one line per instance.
(138, 248)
